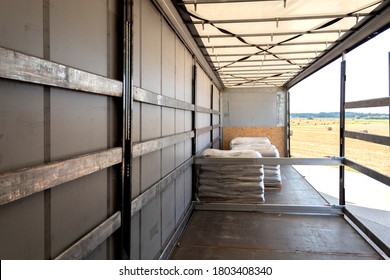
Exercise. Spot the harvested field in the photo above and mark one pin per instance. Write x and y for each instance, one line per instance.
(320, 138)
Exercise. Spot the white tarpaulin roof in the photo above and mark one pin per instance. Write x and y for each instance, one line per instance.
(269, 42)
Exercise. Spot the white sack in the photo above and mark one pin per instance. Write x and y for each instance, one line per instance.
(248, 140)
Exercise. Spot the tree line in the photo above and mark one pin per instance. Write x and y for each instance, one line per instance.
(349, 115)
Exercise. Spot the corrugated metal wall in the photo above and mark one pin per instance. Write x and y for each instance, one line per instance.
(42, 124)
(171, 122)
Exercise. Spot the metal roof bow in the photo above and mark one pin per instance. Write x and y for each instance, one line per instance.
(269, 42)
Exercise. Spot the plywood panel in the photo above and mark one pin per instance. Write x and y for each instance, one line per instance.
(275, 134)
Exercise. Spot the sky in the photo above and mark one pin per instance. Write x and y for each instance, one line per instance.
(367, 69)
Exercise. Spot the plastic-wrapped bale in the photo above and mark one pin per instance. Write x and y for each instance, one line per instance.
(272, 177)
(248, 140)
(233, 183)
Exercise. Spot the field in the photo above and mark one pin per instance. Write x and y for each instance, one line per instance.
(320, 138)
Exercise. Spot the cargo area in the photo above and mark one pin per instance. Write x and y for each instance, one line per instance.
(159, 129)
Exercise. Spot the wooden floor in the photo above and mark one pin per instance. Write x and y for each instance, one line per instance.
(254, 235)
(295, 190)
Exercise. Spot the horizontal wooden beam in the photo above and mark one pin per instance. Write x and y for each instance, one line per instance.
(147, 147)
(201, 109)
(368, 171)
(377, 102)
(373, 138)
(146, 96)
(203, 130)
(24, 182)
(26, 68)
(86, 245)
(138, 203)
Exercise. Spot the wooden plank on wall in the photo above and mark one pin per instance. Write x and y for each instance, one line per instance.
(373, 138)
(149, 97)
(368, 171)
(146, 147)
(276, 135)
(25, 68)
(21, 183)
(87, 244)
(377, 102)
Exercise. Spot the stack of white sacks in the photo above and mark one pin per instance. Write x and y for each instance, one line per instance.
(236, 183)
(272, 177)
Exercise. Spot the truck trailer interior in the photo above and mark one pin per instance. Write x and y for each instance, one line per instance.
(108, 106)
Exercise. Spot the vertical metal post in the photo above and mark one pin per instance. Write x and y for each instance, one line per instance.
(342, 130)
(194, 146)
(212, 115)
(126, 133)
(288, 125)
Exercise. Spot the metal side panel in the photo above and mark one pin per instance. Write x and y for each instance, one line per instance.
(78, 123)
(69, 22)
(22, 229)
(151, 48)
(180, 81)
(21, 125)
(77, 209)
(151, 229)
(168, 61)
(23, 32)
(168, 221)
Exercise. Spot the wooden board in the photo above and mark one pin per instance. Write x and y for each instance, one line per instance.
(276, 135)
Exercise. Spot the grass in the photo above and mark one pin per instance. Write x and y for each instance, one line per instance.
(320, 138)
